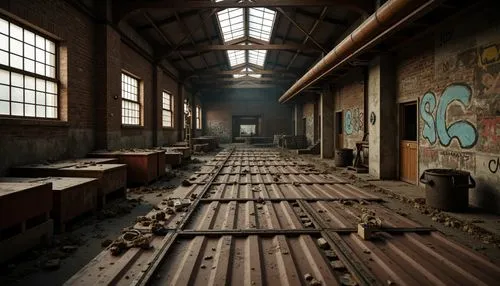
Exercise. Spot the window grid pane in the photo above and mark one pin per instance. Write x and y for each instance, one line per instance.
(231, 23)
(167, 115)
(20, 96)
(130, 100)
(28, 52)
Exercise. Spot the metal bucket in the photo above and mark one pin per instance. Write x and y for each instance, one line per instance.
(343, 157)
(447, 189)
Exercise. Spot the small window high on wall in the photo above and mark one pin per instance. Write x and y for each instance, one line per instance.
(131, 107)
(168, 109)
(198, 117)
(28, 73)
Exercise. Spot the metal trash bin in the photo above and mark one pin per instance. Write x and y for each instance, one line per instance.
(447, 189)
(343, 157)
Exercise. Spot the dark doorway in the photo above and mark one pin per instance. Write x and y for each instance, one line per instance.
(339, 137)
(245, 126)
(408, 159)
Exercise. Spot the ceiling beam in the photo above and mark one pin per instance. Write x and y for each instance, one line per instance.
(330, 20)
(123, 7)
(308, 35)
(240, 79)
(165, 38)
(291, 47)
(168, 20)
(238, 86)
(311, 31)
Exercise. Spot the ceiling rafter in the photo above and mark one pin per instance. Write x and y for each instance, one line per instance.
(311, 31)
(186, 31)
(302, 30)
(284, 39)
(165, 38)
(124, 7)
(333, 21)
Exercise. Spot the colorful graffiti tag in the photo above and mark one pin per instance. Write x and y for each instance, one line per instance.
(435, 126)
(354, 121)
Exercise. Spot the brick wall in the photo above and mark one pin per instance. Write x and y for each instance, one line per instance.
(221, 107)
(27, 141)
(453, 73)
(349, 99)
(92, 56)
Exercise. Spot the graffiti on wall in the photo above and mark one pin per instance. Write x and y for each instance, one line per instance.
(353, 121)
(494, 165)
(434, 115)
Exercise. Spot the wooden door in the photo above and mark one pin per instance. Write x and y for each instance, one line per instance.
(408, 146)
(408, 161)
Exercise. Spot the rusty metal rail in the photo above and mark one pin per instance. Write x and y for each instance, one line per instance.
(291, 229)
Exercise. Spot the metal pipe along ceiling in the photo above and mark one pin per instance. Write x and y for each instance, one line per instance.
(372, 28)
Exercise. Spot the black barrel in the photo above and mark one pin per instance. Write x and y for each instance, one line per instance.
(447, 189)
(343, 157)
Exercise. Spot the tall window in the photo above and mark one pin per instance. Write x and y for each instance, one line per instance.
(130, 101)
(28, 77)
(198, 117)
(168, 109)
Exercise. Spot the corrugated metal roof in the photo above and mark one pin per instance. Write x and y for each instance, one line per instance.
(300, 233)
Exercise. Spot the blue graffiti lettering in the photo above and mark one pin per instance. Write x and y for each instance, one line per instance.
(462, 130)
(427, 107)
(348, 122)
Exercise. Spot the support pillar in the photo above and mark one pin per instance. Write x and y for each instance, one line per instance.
(108, 80)
(158, 106)
(382, 108)
(298, 116)
(326, 125)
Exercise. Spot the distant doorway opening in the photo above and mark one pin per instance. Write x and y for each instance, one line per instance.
(245, 126)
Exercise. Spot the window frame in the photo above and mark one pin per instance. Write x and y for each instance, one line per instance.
(138, 102)
(198, 117)
(171, 110)
(51, 47)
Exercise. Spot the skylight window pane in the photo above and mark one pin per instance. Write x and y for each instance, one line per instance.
(261, 23)
(236, 57)
(231, 23)
(257, 57)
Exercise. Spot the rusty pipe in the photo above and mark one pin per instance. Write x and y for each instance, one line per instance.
(390, 15)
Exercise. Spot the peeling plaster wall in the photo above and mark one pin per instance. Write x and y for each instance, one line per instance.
(349, 99)
(308, 116)
(455, 76)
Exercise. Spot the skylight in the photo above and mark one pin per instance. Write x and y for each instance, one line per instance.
(257, 57)
(256, 23)
(236, 57)
(231, 23)
(261, 23)
(245, 72)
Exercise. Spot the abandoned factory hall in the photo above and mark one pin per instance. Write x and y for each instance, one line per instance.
(249, 142)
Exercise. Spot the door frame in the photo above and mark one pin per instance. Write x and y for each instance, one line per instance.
(400, 135)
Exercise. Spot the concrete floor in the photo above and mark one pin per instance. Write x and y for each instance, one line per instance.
(476, 230)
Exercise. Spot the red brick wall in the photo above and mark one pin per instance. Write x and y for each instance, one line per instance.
(456, 68)
(169, 135)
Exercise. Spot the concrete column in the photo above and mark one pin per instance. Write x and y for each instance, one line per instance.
(326, 127)
(383, 132)
(298, 116)
(108, 80)
(158, 105)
